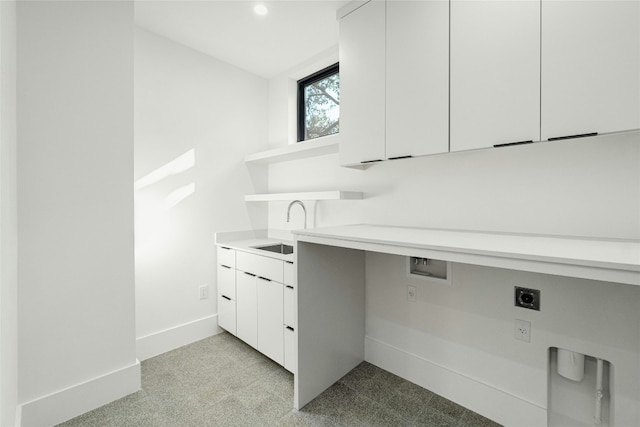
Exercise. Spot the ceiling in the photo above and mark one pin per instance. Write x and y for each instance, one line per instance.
(292, 32)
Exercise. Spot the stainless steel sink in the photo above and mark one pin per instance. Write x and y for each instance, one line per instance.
(279, 248)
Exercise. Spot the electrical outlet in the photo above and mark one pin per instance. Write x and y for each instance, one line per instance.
(523, 330)
(527, 298)
(411, 293)
(204, 291)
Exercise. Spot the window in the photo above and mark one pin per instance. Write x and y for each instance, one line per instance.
(319, 104)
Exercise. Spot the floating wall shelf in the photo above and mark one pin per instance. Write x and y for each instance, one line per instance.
(307, 195)
(301, 150)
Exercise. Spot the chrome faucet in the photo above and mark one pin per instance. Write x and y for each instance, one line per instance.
(298, 202)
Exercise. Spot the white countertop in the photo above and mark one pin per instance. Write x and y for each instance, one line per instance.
(247, 241)
(599, 259)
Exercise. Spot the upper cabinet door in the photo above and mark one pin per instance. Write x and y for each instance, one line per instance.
(590, 67)
(417, 105)
(495, 73)
(362, 84)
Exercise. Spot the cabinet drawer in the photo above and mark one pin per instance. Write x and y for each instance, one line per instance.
(260, 266)
(289, 273)
(227, 314)
(289, 304)
(290, 354)
(226, 257)
(227, 281)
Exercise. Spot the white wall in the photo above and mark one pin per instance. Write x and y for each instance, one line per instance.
(581, 187)
(75, 207)
(8, 218)
(588, 187)
(468, 328)
(208, 115)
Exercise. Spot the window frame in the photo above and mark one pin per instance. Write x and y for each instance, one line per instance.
(302, 84)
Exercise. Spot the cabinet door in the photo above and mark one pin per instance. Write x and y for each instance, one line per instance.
(362, 84)
(227, 281)
(227, 314)
(290, 359)
(289, 273)
(289, 306)
(590, 67)
(417, 104)
(495, 73)
(247, 309)
(270, 319)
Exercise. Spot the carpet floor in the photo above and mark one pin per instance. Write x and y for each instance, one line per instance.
(221, 381)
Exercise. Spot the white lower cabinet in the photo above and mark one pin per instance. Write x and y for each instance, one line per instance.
(227, 289)
(256, 303)
(270, 319)
(290, 353)
(290, 358)
(247, 308)
(227, 314)
(227, 281)
(289, 301)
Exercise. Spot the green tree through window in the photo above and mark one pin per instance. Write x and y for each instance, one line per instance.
(319, 104)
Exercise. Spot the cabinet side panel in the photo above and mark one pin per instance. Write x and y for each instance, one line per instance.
(330, 317)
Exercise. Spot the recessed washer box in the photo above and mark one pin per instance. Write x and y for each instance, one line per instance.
(434, 270)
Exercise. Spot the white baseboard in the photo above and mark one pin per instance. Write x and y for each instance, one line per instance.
(486, 400)
(160, 342)
(68, 403)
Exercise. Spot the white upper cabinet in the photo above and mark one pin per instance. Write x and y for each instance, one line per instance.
(495, 73)
(590, 67)
(362, 84)
(417, 77)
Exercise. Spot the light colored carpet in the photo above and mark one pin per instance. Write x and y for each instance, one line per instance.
(221, 381)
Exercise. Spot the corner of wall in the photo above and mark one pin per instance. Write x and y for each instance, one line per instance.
(8, 218)
(160, 342)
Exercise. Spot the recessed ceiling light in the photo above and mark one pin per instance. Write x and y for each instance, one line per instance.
(260, 9)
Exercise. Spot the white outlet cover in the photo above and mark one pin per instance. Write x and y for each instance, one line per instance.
(522, 330)
(411, 293)
(204, 292)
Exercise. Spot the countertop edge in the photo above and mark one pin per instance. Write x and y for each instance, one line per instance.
(606, 268)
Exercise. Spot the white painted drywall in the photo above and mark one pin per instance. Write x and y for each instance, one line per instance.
(468, 328)
(75, 205)
(581, 187)
(196, 118)
(8, 218)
